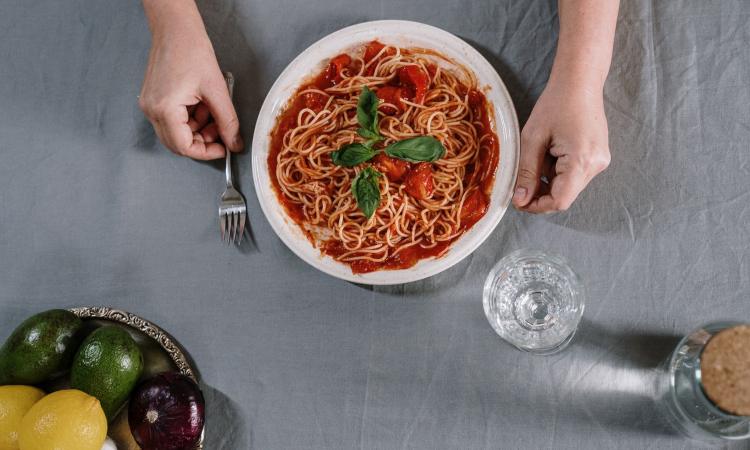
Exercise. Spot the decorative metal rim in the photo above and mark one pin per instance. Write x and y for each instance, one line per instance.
(173, 349)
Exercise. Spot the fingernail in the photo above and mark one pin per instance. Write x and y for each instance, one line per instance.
(238, 145)
(519, 194)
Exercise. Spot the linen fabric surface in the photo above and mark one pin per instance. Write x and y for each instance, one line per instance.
(96, 212)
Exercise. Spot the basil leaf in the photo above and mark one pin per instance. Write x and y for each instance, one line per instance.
(366, 191)
(418, 149)
(352, 154)
(371, 137)
(367, 110)
(367, 134)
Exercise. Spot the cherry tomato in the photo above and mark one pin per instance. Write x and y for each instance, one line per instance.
(419, 182)
(431, 70)
(314, 100)
(474, 207)
(393, 168)
(392, 95)
(373, 48)
(371, 51)
(336, 67)
(415, 78)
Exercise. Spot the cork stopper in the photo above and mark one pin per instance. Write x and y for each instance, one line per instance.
(725, 370)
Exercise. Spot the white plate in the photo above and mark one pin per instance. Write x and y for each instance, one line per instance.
(403, 34)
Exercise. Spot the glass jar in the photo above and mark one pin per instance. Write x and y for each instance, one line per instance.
(688, 407)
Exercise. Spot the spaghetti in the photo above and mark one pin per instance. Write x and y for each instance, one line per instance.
(423, 206)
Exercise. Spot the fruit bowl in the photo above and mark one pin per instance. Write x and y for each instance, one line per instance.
(161, 353)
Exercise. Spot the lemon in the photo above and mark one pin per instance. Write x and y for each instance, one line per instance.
(64, 420)
(15, 402)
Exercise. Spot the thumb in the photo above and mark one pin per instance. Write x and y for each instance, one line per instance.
(220, 105)
(533, 150)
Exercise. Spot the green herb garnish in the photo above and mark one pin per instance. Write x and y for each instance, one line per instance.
(418, 149)
(365, 187)
(366, 191)
(367, 114)
(352, 154)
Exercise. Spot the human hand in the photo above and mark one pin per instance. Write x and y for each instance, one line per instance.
(184, 94)
(565, 141)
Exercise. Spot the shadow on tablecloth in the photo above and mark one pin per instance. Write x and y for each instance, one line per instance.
(225, 429)
(618, 379)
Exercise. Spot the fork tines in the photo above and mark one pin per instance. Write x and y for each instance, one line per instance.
(232, 223)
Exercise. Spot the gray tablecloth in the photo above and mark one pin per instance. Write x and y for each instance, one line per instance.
(94, 211)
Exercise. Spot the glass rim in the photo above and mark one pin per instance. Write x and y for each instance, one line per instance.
(524, 254)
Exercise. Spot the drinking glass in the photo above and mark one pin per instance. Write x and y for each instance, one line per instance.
(534, 301)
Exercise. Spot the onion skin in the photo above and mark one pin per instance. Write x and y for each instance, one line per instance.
(167, 412)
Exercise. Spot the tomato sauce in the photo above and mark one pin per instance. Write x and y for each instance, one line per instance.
(408, 85)
(404, 259)
(287, 120)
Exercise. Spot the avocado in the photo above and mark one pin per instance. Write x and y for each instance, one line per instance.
(41, 348)
(107, 366)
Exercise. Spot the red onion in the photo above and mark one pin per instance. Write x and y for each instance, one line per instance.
(166, 412)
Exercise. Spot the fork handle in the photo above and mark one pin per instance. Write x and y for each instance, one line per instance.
(228, 169)
(229, 78)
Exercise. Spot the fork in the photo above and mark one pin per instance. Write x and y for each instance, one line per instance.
(232, 209)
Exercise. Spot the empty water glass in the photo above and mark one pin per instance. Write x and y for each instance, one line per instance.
(534, 301)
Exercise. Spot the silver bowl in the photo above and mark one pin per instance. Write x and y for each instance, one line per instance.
(161, 352)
